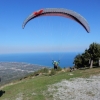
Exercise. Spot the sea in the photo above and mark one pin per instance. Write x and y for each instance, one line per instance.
(41, 59)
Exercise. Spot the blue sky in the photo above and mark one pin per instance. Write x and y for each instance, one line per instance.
(46, 34)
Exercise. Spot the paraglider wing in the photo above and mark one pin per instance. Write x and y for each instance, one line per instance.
(59, 12)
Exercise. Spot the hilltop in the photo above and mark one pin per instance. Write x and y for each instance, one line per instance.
(53, 87)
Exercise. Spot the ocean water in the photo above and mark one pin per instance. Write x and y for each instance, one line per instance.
(44, 59)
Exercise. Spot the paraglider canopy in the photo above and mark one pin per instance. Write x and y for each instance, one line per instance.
(59, 12)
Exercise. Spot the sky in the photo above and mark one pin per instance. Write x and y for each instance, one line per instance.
(47, 33)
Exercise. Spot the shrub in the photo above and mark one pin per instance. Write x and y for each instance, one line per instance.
(59, 68)
(45, 70)
(53, 72)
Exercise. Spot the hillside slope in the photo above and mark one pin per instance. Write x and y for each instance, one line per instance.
(37, 88)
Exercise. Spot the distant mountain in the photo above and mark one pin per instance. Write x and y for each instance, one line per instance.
(14, 70)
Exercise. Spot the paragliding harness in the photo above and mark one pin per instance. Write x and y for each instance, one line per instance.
(55, 63)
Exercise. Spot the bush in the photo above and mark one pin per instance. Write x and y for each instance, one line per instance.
(53, 72)
(45, 70)
(36, 73)
(59, 68)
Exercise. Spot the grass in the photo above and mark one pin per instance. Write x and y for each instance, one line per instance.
(33, 88)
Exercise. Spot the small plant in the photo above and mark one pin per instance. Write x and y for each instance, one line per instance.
(36, 73)
(45, 70)
(59, 68)
(53, 72)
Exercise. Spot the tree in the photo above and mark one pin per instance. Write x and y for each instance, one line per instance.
(94, 51)
(90, 56)
(86, 58)
(78, 61)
